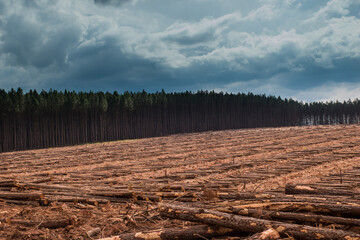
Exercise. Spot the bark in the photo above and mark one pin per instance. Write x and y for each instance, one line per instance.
(94, 202)
(21, 196)
(174, 194)
(49, 179)
(297, 217)
(9, 183)
(198, 232)
(244, 196)
(20, 202)
(114, 194)
(249, 224)
(299, 189)
(330, 209)
(56, 223)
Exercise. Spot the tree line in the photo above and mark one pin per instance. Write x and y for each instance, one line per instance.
(56, 118)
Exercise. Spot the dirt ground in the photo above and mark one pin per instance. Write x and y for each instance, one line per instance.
(99, 190)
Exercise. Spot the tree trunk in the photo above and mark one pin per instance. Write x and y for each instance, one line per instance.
(56, 223)
(21, 196)
(198, 232)
(299, 189)
(331, 209)
(249, 224)
(298, 217)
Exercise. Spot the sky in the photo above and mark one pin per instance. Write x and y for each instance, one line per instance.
(308, 50)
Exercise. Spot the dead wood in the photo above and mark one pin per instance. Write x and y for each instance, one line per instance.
(56, 223)
(21, 196)
(20, 202)
(249, 224)
(114, 194)
(297, 217)
(43, 180)
(9, 183)
(301, 189)
(198, 232)
(244, 196)
(329, 209)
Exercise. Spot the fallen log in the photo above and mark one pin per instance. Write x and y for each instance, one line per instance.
(244, 196)
(114, 194)
(297, 217)
(249, 224)
(43, 180)
(56, 223)
(198, 232)
(20, 202)
(21, 196)
(9, 183)
(330, 209)
(173, 194)
(300, 189)
(169, 188)
(94, 202)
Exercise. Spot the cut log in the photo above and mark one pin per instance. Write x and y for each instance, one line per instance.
(114, 194)
(20, 202)
(297, 217)
(56, 223)
(173, 194)
(9, 183)
(330, 209)
(94, 202)
(43, 180)
(198, 232)
(249, 224)
(244, 196)
(300, 189)
(21, 196)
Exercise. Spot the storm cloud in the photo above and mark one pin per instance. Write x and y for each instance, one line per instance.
(112, 2)
(290, 48)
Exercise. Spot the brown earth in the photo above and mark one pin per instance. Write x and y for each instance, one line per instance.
(133, 175)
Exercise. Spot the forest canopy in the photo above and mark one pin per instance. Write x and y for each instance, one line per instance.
(56, 118)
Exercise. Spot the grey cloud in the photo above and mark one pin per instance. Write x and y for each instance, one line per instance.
(79, 45)
(31, 43)
(207, 30)
(111, 2)
(184, 39)
(2, 8)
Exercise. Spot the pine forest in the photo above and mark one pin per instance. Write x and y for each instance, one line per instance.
(54, 118)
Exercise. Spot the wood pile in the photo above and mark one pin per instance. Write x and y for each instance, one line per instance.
(299, 212)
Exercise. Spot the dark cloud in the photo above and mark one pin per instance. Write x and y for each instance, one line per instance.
(2, 8)
(111, 2)
(175, 45)
(184, 39)
(107, 67)
(29, 44)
